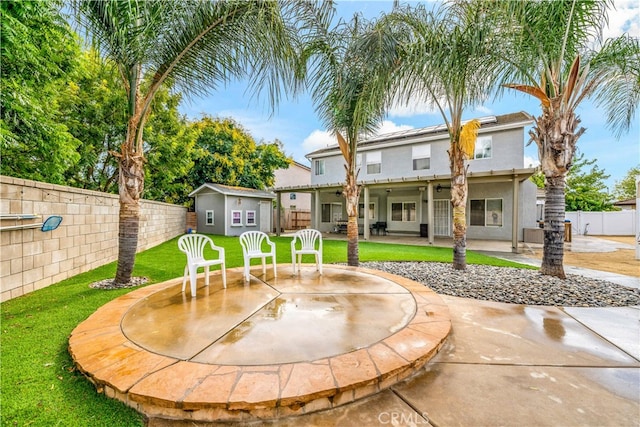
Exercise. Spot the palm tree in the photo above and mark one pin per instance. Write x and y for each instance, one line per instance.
(346, 86)
(444, 61)
(193, 46)
(554, 50)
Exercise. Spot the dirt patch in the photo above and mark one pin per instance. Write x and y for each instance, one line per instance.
(621, 261)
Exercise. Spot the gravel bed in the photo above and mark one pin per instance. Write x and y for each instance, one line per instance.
(109, 284)
(512, 285)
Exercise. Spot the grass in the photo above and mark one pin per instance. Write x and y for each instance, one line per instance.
(40, 386)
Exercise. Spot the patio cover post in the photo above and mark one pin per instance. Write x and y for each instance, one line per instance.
(430, 211)
(514, 215)
(365, 214)
(278, 219)
(316, 209)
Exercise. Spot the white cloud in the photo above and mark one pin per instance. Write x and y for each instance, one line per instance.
(390, 127)
(318, 139)
(483, 109)
(623, 18)
(412, 108)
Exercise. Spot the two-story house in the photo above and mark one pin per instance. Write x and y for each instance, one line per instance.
(405, 178)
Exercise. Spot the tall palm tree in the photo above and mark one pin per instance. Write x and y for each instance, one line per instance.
(195, 47)
(346, 86)
(444, 61)
(554, 51)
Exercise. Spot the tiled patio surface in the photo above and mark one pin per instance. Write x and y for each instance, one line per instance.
(265, 350)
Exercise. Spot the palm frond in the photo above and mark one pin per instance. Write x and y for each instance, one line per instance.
(468, 136)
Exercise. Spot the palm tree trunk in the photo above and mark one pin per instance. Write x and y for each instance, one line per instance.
(130, 186)
(554, 212)
(352, 195)
(459, 204)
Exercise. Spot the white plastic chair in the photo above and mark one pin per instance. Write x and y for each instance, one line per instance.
(251, 242)
(308, 239)
(193, 245)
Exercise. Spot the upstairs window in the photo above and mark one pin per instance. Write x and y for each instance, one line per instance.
(421, 155)
(319, 167)
(374, 162)
(483, 148)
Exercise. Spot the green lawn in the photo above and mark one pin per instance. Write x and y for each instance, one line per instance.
(40, 386)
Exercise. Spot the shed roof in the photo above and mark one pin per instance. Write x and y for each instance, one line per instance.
(229, 190)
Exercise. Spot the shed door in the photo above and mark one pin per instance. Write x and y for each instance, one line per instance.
(265, 217)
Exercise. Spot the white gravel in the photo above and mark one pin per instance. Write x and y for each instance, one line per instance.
(512, 285)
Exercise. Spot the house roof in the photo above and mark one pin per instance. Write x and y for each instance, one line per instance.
(627, 202)
(229, 190)
(507, 121)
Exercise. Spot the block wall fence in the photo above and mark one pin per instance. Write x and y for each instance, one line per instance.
(87, 238)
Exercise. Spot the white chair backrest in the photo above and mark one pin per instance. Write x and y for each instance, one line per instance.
(251, 241)
(193, 245)
(308, 237)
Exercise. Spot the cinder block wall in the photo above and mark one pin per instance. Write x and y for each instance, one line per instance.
(31, 259)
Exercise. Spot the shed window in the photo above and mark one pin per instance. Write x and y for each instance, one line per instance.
(250, 218)
(209, 218)
(236, 218)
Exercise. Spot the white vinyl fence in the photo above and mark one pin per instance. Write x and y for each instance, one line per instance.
(619, 223)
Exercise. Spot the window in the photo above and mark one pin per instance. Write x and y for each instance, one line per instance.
(292, 196)
(326, 212)
(250, 218)
(236, 218)
(486, 212)
(403, 211)
(421, 155)
(372, 211)
(319, 167)
(374, 160)
(209, 218)
(358, 160)
(483, 148)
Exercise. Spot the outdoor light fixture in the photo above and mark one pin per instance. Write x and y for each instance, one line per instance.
(338, 193)
(440, 187)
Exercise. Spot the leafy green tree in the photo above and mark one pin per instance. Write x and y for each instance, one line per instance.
(93, 110)
(227, 154)
(38, 53)
(553, 50)
(169, 147)
(586, 189)
(193, 46)
(444, 59)
(626, 187)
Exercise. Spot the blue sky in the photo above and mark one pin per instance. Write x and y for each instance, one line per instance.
(295, 122)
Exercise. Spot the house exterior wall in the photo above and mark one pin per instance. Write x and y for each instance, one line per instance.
(396, 160)
(206, 201)
(395, 183)
(87, 238)
(296, 174)
(224, 206)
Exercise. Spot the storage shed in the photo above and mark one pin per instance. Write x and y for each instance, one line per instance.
(230, 211)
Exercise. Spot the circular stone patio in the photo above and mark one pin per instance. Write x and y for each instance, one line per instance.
(271, 348)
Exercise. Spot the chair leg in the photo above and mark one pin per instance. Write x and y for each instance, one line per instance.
(206, 275)
(264, 265)
(184, 277)
(193, 276)
(224, 275)
(273, 258)
(293, 261)
(320, 263)
(246, 270)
